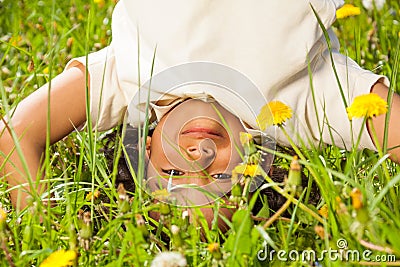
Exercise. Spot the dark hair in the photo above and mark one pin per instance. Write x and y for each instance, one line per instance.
(275, 200)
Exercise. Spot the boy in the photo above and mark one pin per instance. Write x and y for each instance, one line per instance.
(270, 42)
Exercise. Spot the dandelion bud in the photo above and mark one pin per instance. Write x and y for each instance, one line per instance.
(174, 229)
(176, 236)
(70, 42)
(123, 199)
(294, 177)
(5, 70)
(121, 192)
(215, 250)
(362, 214)
(85, 233)
(80, 215)
(247, 142)
(141, 224)
(185, 215)
(236, 193)
(39, 27)
(31, 66)
(139, 220)
(185, 219)
(236, 190)
(164, 208)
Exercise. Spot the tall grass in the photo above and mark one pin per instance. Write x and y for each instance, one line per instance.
(37, 38)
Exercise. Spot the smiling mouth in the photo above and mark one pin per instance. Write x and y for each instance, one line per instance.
(201, 132)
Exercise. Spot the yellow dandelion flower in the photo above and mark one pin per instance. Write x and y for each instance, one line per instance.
(369, 105)
(265, 118)
(320, 231)
(213, 247)
(14, 41)
(245, 138)
(356, 198)
(60, 258)
(323, 211)
(249, 170)
(160, 194)
(280, 113)
(46, 70)
(100, 3)
(95, 195)
(347, 10)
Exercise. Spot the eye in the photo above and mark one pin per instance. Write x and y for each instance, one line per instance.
(221, 176)
(172, 172)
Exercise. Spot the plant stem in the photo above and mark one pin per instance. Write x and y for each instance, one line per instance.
(278, 213)
(384, 166)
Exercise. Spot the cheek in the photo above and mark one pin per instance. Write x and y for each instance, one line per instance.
(229, 157)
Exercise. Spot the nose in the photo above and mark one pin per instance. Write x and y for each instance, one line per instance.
(201, 154)
(190, 155)
(202, 151)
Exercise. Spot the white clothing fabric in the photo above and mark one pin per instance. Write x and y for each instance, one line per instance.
(271, 42)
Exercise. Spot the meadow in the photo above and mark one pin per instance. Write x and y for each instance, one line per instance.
(93, 222)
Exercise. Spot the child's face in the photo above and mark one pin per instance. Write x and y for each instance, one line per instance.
(198, 147)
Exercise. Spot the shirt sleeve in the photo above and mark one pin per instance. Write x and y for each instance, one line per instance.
(108, 100)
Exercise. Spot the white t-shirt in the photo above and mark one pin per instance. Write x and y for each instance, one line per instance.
(271, 42)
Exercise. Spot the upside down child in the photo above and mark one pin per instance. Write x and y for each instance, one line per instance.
(215, 65)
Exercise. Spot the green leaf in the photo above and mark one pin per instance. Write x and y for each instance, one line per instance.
(239, 242)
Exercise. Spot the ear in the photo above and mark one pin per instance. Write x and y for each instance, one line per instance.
(148, 146)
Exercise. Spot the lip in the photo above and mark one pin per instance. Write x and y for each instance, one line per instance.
(201, 132)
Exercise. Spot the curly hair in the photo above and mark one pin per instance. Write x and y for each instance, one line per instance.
(275, 200)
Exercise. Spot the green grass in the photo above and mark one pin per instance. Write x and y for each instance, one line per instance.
(37, 38)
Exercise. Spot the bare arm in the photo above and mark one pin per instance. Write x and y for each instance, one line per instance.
(67, 109)
(393, 129)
